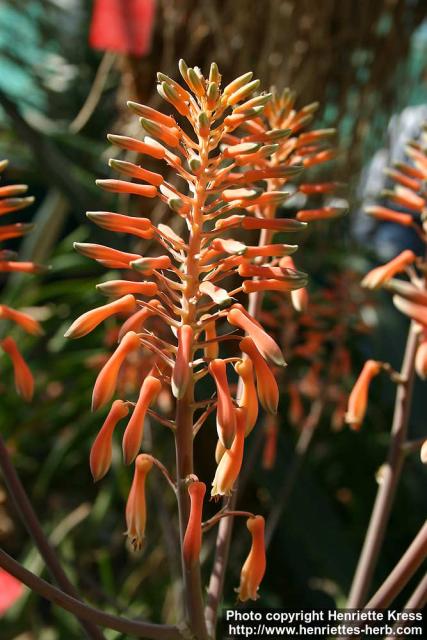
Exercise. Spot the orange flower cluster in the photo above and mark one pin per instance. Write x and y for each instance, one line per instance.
(242, 149)
(410, 295)
(12, 199)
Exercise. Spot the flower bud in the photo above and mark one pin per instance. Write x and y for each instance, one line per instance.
(135, 429)
(24, 381)
(263, 341)
(136, 510)
(249, 399)
(29, 324)
(91, 319)
(230, 464)
(268, 391)
(101, 451)
(254, 567)
(124, 287)
(225, 413)
(193, 533)
(106, 381)
(358, 400)
(378, 276)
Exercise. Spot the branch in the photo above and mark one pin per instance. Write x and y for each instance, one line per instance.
(387, 489)
(85, 612)
(35, 530)
(408, 564)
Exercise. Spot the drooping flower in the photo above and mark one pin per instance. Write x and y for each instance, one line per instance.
(249, 399)
(135, 429)
(100, 453)
(268, 392)
(231, 461)
(24, 381)
(136, 509)
(107, 378)
(358, 400)
(193, 534)
(225, 415)
(254, 567)
(263, 342)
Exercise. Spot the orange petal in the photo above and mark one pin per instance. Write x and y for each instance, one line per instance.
(122, 186)
(135, 429)
(100, 453)
(378, 276)
(264, 342)
(91, 319)
(106, 381)
(358, 400)
(22, 319)
(193, 533)
(225, 415)
(124, 287)
(212, 349)
(24, 381)
(254, 567)
(131, 144)
(106, 255)
(136, 509)
(231, 461)
(249, 399)
(388, 215)
(268, 391)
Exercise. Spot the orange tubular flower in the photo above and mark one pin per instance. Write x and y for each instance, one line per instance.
(263, 342)
(248, 400)
(107, 378)
(225, 415)
(231, 461)
(380, 275)
(11, 200)
(193, 534)
(232, 156)
(136, 509)
(358, 400)
(100, 453)
(24, 381)
(91, 319)
(135, 430)
(22, 319)
(268, 392)
(124, 287)
(254, 567)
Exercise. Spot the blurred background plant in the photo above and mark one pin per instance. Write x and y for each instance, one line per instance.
(59, 96)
